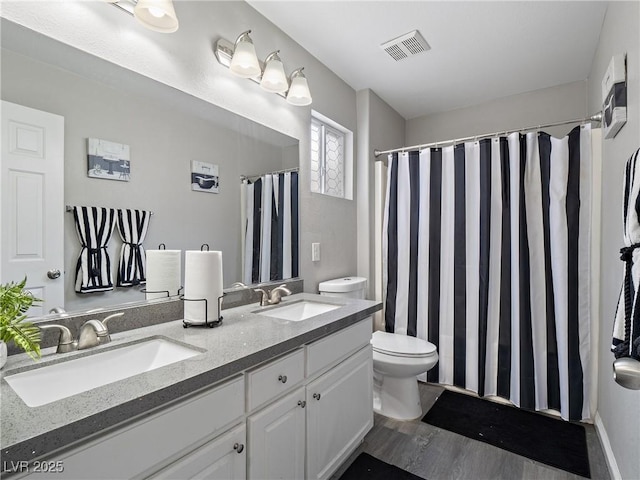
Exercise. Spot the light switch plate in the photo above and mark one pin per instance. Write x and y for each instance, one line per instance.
(315, 252)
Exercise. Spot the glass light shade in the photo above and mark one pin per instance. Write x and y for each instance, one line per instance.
(274, 79)
(244, 62)
(299, 93)
(156, 15)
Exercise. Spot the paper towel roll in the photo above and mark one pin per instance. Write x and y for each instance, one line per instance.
(163, 273)
(202, 279)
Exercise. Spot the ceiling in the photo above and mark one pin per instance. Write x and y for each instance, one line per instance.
(480, 50)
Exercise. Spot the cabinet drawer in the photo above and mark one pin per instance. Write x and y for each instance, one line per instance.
(150, 444)
(222, 458)
(332, 349)
(274, 378)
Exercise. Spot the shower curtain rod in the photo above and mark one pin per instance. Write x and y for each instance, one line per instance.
(593, 118)
(285, 170)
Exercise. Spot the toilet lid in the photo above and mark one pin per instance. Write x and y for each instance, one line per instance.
(401, 345)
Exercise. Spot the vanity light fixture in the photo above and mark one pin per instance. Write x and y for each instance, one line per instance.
(299, 93)
(242, 60)
(156, 15)
(274, 79)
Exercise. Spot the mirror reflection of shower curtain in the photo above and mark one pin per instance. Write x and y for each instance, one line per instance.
(270, 222)
(487, 255)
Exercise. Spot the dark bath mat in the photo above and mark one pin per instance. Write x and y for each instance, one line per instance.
(538, 437)
(366, 467)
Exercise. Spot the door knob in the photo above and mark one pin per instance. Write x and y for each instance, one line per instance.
(302, 403)
(282, 378)
(316, 396)
(238, 447)
(53, 274)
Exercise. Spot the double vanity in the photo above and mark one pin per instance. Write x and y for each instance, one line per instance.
(281, 391)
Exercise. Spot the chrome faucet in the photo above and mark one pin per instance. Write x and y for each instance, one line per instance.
(94, 332)
(274, 296)
(66, 343)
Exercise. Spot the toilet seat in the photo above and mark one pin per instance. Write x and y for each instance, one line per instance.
(398, 345)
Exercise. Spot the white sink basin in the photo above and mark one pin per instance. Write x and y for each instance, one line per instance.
(298, 311)
(49, 383)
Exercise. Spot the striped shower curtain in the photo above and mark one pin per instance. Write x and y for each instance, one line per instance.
(487, 255)
(270, 228)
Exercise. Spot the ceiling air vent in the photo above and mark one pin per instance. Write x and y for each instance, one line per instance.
(406, 45)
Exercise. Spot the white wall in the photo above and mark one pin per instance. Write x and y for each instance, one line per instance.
(185, 60)
(548, 105)
(619, 409)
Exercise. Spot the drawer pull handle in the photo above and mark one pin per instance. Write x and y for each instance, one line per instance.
(238, 447)
(302, 403)
(282, 378)
(316, 396)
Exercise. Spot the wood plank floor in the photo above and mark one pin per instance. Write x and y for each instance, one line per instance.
(433, 453)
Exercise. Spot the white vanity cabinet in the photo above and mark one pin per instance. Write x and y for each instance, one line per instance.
(309, 432)
(297, 416)
(338, 416)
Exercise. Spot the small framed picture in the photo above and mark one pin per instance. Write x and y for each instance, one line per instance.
(204, 177)
(108, 160)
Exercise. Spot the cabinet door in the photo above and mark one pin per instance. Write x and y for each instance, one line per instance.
(339, 413)
(223, 458)
(276, 439)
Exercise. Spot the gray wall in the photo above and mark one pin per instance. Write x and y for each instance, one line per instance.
(379, 125)
(619, 409)
(554, 104)
(185, 61)
(163, 143)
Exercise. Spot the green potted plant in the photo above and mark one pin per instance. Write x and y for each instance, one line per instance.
(14, 303)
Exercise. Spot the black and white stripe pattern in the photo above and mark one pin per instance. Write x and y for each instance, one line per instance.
(94, 227)
(271, 231)
(487, 257)
(626, 327)
(133, 226)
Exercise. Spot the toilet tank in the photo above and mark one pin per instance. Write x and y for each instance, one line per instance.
(350, 287)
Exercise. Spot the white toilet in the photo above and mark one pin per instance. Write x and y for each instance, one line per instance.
(397, 359)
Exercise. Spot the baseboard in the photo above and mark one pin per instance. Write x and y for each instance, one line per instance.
(614, 471)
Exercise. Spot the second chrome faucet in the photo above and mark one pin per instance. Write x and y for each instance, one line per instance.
(274, 296)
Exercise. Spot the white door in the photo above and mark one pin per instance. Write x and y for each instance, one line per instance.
(223, 458)
(32, 196)
(339, 413)
(276, 439)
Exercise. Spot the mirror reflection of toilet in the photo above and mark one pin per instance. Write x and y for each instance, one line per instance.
(397, 359)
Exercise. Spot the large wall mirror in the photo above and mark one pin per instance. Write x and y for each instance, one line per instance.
(167, 131)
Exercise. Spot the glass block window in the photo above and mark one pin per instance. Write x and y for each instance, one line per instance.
(327, 159)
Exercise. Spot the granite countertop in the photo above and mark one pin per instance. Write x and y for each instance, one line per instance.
(244, 340)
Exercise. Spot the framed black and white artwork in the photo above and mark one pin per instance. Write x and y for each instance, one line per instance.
(108, 160)
(204, 177)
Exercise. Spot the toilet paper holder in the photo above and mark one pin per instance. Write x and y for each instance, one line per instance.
(207, 322)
